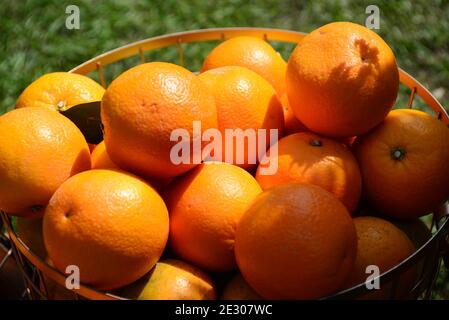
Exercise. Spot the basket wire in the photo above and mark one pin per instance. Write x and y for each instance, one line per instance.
(38, 275)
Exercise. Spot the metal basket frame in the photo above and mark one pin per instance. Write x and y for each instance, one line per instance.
(36, 271)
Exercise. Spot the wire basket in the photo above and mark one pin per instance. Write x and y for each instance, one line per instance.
(39, 276)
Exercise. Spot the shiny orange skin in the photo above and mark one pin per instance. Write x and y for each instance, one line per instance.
(142, 107)
(295, 241)
(172, 280)
(291, 123)
(244, 100)
(205, 206)
(101, 159)
(381, 244)
(238, 289)
(309, 158)
(60, 91)
(342, 80)
(39, 150)
(110, 224)
(252, 53)
(417, 181)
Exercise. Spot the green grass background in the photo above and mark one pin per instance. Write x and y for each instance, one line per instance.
(34, 40)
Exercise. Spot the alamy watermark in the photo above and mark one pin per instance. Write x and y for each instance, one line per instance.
(72, 21)
(236, 146)
(373, 20)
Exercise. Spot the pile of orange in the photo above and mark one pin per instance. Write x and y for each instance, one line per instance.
(137, 221)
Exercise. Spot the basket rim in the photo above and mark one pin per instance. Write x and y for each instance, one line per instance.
(138, 48)
(92, 293)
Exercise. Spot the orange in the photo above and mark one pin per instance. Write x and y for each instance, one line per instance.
(381, 244)
(39, 149)
(295, 241)
(172, 280)
(291, 123)
(238, 289)
(252, 53)
(101, 159)
(244, 101)
(60, 91)
(404, 164)
(112, 225)
(205, 206)
(342, 79)
(308, 158)
(143, 106)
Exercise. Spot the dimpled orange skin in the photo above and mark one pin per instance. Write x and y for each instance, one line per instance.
(39, 150)
(60, 91)
(342, 79)
(252, 53)
(205, 206)
(244, 100)
(295, 241)
(143, 106)
(173, 280)
(112, 225)
(381, 244)
(101, 159)
(416, 182)
(309, 158)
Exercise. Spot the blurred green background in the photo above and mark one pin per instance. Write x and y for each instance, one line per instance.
(34, 39)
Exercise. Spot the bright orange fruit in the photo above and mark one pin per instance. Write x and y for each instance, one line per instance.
(342, 79)
(295, 241)
(244, 101)
(205, 206)
(143, 106)
(39, 150)
(110, 224)
(404, 164)
(101, 159)
(252, 53)
(309, 158)
(60, 91)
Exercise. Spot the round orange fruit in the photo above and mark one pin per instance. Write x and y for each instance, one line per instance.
(60, 91)
(39, 150)
(143, 107)
(342, 79)
(404, 164)
(111, 225)
(308, 158)
(172, 280)
(295, 241)
(245, 101)
(380, 244)
(205, 206)
(101, 159)
(252, 53)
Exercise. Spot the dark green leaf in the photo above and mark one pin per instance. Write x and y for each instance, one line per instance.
(87, 118)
